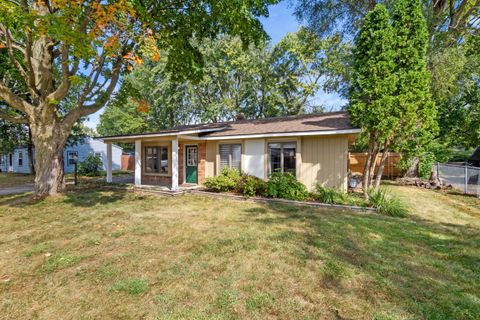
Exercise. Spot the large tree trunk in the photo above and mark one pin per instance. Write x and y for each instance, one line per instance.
(30, 152)
(49, 140)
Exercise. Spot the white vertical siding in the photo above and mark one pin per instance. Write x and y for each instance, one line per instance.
(254, 157)
(92, 146)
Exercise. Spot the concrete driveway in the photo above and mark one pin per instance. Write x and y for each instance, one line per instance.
(22, 188)
(16, 189)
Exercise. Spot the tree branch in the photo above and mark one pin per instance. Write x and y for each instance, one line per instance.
(83, 110)
(11, 54)
(28, 60)
(11, 118)
(64, 86)
(13, 100)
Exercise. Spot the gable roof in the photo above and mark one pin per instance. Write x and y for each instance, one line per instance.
(309, 124)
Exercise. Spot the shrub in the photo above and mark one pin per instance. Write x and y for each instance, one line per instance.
(425, 165)
(286, 186)
(387, 204)
(251, 186)
(328, 195)
(226, 181)
(91, 166)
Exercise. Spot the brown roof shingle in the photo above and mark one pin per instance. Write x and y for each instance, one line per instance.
(289, 124)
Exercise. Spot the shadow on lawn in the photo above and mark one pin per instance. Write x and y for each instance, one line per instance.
(93, 197)
(81, 197)
(432, 270)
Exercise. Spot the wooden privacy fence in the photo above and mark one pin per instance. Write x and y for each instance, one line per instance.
(128, 162)
(356, 163)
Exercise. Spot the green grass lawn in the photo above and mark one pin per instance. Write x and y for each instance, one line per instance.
(14, 179)
(119, 255)
(9, 179)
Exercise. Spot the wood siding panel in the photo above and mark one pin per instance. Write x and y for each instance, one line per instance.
(324, 161)
(210, 159)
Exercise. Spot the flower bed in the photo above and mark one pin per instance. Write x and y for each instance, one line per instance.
(286, 186)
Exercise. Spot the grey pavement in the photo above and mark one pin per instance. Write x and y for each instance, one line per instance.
(16, 189)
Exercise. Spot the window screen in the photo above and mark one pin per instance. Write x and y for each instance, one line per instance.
(230, 156)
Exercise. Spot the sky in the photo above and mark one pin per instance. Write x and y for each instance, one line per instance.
(280, 22)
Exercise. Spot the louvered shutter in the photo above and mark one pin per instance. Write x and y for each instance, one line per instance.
(225, 150)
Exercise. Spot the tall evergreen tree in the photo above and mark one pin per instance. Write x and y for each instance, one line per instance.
(374, 84)
(390, 94)
(414, 105)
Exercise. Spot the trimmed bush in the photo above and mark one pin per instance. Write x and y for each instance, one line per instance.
(286, 186)
(226, 181)
(387, 204)
(251, 186)
(91, 166)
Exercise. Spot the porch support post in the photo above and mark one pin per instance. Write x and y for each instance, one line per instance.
(175, 164)
(109, 162)
(138, 162)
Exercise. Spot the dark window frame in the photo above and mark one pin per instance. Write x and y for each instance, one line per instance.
(20, 159)
(158, 156)
(230, 156)
(68, 157)
(282, 156)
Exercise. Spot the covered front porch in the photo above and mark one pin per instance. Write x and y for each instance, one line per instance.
(168, 162)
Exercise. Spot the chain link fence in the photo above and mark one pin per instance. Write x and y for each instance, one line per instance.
(461, 177)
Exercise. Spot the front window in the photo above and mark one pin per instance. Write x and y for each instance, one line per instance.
(20, 159)
(156, 159)
(282, 157)
(230, 156)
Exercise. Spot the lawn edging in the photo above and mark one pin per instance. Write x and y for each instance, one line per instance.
(284, 201)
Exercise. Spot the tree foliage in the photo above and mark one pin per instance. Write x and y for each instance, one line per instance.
(452, 29)
(390, 94)
(259, 81)
(59, 46)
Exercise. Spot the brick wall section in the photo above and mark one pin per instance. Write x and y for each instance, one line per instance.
(202, 154)
(128, 162)
(157, 180)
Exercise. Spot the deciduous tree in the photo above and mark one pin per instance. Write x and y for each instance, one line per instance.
(56, 44)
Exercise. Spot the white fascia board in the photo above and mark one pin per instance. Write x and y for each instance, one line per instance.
(186, 134)
(285, 134)
(166, 134)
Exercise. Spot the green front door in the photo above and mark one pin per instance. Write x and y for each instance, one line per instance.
(191, 164)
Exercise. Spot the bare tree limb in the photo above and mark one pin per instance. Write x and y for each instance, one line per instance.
(83, 110)
(11, 54)
(64, 86)
(28, 60)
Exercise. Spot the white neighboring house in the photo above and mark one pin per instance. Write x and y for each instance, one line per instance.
(17, 160)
